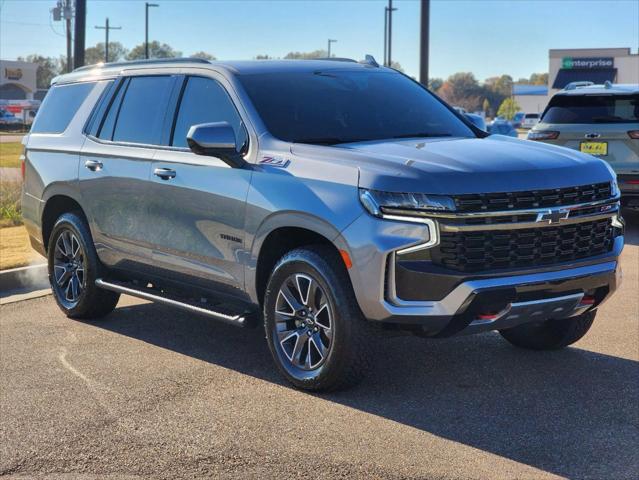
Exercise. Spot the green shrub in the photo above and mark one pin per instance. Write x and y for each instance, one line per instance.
(10, 208)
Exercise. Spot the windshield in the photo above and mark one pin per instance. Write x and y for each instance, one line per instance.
(340, 106)
(592, 109)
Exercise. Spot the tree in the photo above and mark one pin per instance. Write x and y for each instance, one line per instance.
(462, 90)
(508, 108)
(397, 66)
(539, 79)
(95, 54)
(434, 84)
(203, 55)
(263, 57)
(485, 106)
(156, 50)
(306, 55)
(47, 69)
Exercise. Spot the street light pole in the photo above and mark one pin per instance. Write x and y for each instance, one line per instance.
(390, 31)
(106, 28)
(329, 46)
(387, 20)
(147, 5)
(385, 36)
(424, 44)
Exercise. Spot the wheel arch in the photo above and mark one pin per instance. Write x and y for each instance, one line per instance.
(279, 234)
(55, 206)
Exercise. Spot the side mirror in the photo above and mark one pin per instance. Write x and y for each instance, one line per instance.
(216, 140)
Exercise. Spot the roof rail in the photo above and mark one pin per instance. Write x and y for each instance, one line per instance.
(574, 85)
(334, 59)
(142, 62)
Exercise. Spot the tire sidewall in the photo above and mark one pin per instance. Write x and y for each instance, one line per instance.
(309, 263)
(72, 222)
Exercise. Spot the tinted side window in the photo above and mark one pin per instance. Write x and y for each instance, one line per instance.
(106, 131)
(60, 106)
(141, 114)
(204, 101)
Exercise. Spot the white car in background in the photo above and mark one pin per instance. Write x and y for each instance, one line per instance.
(530, 120)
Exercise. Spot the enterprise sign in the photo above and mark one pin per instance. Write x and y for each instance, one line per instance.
(587, 62)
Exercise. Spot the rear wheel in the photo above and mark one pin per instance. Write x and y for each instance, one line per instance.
(314, 328)
(73, 269)
(552, 334)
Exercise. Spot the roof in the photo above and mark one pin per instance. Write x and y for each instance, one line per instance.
(240, 67)
(520, 89)
(614, 89)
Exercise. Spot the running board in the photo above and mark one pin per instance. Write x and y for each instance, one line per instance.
(240, 320)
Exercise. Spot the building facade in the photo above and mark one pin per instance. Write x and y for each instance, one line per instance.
(531, 98)
(597, 65)
(17, 80)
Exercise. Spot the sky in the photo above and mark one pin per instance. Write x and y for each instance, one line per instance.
(485, 37)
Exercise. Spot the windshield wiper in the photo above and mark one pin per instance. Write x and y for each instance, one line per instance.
(422, 135)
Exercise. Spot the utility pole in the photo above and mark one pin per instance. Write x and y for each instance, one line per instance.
(80, 32)
(106, 29)
(329, 46)
(424, 42)
(385, 36)
(390, 32)
(387, 20)
(147, 5)
(68, 16)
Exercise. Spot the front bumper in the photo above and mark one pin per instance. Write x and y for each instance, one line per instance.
(463, 303)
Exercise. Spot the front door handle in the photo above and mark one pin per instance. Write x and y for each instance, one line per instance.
(93, 165)
(164, 173)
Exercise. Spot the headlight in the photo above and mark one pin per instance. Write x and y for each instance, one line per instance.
(407, 204)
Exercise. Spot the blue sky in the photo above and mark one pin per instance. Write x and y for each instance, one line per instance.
(484, 37)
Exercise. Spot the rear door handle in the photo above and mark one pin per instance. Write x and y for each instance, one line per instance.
(164, 173)
(93, 165)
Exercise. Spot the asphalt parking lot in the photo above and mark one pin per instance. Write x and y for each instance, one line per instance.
(155, 393)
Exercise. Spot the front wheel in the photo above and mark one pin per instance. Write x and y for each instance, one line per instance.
(314, 328)
(550, 335)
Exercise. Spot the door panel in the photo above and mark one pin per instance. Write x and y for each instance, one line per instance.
(113, 185)
(196, 218)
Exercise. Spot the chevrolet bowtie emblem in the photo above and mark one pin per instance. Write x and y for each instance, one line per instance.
(553, 216)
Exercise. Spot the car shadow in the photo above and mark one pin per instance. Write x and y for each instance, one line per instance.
(573, 412)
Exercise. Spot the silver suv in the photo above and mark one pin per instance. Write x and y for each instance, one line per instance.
(331, 201)
(602, 120)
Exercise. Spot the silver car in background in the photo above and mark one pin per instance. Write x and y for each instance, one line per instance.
(601, 120)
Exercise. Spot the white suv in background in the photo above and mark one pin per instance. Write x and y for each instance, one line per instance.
(530, 120)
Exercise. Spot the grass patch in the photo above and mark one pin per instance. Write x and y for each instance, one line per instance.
(10, 207)
(10, 154)
(15, 249)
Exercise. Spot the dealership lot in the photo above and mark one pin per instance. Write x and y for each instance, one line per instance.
(153, 392)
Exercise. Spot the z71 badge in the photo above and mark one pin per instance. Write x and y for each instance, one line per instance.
(279, 162)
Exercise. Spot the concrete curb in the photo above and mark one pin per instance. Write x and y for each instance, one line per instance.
(34, 277)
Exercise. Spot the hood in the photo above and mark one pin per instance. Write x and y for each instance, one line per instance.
(471, 165)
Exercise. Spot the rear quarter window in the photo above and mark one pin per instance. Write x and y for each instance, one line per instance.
(60, 106)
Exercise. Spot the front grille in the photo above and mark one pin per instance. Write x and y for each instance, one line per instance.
(530, 247)
(491, 202)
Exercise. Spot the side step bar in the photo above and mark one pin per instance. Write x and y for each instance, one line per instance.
(239, 320)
